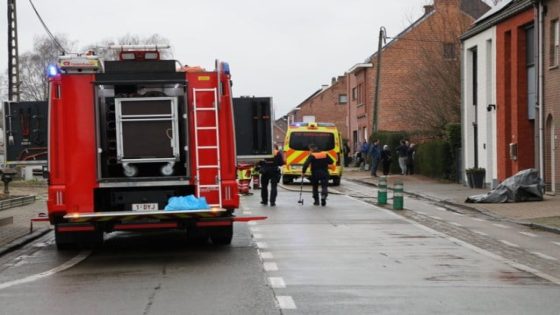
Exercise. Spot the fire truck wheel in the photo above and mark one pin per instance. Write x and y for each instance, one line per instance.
(65, 241)
(197, 236)
(91, 240)
(222, 235)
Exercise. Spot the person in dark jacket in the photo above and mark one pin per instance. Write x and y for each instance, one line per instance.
(386, 159)
(270, 173)
(410, 159)
(402, 153)
(319, 162)
(375, 155)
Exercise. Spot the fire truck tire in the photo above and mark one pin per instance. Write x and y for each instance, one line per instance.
(76, 240)
(65, 241)
(286, 180)
(222, 235)
(91, 240)
(336, 181)
(197, 236)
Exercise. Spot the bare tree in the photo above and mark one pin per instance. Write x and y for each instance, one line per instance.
(33, 65)
(437, 79)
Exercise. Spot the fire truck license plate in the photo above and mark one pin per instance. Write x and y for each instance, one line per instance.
(144, 206)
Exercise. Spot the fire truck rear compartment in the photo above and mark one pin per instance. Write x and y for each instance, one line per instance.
(122, 198)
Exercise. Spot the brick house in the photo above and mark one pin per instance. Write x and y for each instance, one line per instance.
(411, 88)
(327, 104)
(551, 92)
(498, 99)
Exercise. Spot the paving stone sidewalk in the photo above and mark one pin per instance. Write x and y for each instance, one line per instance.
(22, 215)
(545, 213)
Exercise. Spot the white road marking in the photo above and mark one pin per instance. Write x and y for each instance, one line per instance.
(500, 226)
(286, 302)
(509, 243)
(441, 209)
(434, 217)
(262, 245)
(479, 233)
(529, 234)
(556, 243)
(255, 229)
(270, 266)
(455, 223)
(257, 236)
(459, 214)
(541, 255)
(69, 264)
(247, 212)
(266, 255)
(252, 222)
(421, 212)
(479, 219)
(476, 249)
(277, 282)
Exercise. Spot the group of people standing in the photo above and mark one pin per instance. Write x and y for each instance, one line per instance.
(381, 157)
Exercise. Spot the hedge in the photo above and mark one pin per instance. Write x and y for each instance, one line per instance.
(434, 159)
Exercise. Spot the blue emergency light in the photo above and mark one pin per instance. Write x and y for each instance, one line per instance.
(52, 70)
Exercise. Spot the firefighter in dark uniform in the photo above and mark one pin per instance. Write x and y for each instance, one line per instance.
(319, 162)
(270, 173)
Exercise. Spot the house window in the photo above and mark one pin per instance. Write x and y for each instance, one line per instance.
(353, 94)
(449, 51)
(360, 94)
(554, 42)
(342, 99)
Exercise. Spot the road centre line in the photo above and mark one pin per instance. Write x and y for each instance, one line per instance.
(509, 243)
(247, 212)
(266, 255)
(529, 234)
(270, 266)
(286, 302)
(541, 255)
(479, 233)
(455, 223)
(479, 219)
(435, 217)
(474, 248)
(277, 282)
(67, 265)
(500, 225)
(262, 245)
(441, 209)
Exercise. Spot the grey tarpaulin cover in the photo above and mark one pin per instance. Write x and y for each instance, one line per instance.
(523, 186)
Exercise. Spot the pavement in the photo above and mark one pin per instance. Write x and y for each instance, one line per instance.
(13, 235)
(542, 214)
(538, 214)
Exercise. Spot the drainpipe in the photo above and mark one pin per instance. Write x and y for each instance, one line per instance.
(540, 99)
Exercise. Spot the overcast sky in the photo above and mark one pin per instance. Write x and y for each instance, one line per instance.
(284, 49)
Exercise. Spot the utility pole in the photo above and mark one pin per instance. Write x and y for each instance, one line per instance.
(13, 59)
(382, 39)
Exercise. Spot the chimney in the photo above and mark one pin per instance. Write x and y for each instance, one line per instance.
(333, 80)
(324, 87)
(428, 8)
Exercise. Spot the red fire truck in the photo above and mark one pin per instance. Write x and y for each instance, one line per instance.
(128, 134)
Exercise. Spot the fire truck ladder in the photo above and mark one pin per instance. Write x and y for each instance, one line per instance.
(208, 183)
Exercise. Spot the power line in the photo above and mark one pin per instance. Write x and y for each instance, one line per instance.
(47, 29)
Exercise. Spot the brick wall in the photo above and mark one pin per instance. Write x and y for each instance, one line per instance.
(551, 102)
(512, 113)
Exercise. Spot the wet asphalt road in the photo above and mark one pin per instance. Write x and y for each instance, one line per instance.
(346, 258)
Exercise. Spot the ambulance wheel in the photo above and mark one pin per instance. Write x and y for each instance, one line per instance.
(286, 180)
(336, 181)
(222, 235)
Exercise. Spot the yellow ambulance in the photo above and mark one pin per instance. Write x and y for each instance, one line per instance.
(296, 149)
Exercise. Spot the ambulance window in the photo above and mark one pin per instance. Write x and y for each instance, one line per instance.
(302, 140)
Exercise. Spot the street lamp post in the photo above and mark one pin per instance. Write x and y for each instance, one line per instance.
(382, 39)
